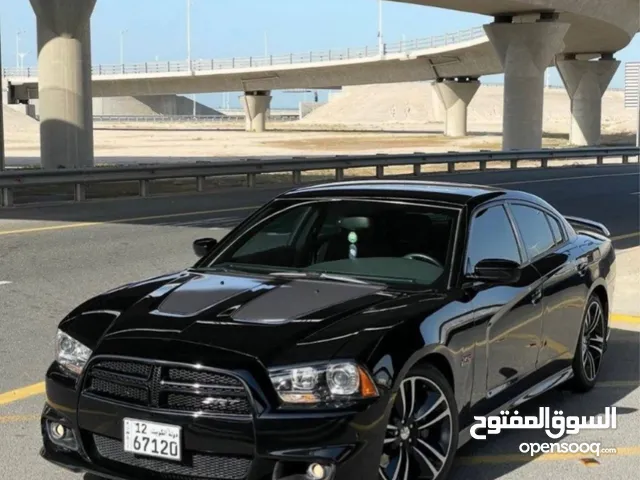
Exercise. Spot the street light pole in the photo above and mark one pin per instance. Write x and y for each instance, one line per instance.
(380, 42)
(122, 34)
(547, 78)
(193, 97)
(22, 55)
(18, 33)
(189, 33)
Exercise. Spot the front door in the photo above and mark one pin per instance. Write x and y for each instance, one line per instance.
(512, 314)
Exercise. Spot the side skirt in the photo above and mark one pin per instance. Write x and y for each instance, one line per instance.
(544, 386)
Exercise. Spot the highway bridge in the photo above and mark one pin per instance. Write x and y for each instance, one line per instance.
(525, 38)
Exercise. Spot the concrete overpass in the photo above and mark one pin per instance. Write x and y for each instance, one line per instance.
(445, 56)
(527, 34)
(525, 38)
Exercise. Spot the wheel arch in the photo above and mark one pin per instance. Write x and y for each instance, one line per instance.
(599, 289)
(438, 356)
(439, 361)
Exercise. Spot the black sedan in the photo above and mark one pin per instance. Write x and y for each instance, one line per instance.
(343, 331)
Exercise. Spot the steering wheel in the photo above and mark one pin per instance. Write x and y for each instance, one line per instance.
(425, 258)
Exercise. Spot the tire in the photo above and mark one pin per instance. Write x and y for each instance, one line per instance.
(587, 359)
(422, 431)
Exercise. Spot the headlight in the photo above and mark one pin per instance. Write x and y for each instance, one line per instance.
(70, 353)
(329, 383)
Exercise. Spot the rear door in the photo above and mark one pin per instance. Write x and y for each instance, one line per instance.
(563, 289)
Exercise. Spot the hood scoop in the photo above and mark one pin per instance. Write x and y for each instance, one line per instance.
(204, 292)
(298, 300)
(239, 299)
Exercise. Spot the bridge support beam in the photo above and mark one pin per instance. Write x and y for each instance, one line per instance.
(64, 83)
(456, 95)
(586, 81)
(525, 51)
(256, 105)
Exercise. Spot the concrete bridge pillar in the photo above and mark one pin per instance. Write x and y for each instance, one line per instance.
(456, 95)
(586, 81)
(256, 105)
(64, 82)
(525, 51)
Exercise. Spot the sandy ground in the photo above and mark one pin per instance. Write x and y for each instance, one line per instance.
(396, 118)
(283, 140)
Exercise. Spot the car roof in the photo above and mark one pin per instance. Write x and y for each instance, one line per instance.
(442, 192)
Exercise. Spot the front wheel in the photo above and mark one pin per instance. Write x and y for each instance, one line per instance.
(422, 433)
(591, 346)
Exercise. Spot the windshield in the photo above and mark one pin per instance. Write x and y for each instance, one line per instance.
(376, 241)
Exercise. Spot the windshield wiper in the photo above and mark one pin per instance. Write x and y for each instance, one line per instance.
(320, 275)
(342, 278)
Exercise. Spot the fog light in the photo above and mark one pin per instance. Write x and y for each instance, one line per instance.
(61, 436)
(57, 431)
(316, 471)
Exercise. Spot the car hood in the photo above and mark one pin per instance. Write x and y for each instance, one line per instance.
(257, 315)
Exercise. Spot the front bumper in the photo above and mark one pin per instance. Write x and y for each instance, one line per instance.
(269, 445)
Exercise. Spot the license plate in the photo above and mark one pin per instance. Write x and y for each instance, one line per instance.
(152, 439)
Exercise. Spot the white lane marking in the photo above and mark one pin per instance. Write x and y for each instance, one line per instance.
(635, 193)
(4, 282)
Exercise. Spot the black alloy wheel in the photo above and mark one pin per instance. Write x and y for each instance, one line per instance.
(591, 346)
(422, 433)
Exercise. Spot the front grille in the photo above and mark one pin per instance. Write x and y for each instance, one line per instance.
(198, 376)
(194, 465)
(136, 395)
(192, 403)
(168, 387)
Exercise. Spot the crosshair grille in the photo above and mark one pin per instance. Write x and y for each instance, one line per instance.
(174, 388)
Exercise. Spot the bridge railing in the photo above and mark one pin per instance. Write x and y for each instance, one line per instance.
(183, 66)
(80, 178)
(226, 118)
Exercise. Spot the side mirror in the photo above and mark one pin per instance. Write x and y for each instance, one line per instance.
(203, 246)
(494, 270)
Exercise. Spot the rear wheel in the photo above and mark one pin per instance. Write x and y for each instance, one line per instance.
(591, 345)
(422, 433)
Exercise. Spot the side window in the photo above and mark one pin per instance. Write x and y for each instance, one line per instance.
(491, 236)
(556, 229)
(274, 233)
(536, 232)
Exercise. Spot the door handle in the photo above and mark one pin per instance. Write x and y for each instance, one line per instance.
(536, 296)
(583, 265)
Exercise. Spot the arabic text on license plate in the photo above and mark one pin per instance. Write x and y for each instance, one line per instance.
(152, 439)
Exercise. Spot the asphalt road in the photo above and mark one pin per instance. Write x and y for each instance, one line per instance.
(54, 257)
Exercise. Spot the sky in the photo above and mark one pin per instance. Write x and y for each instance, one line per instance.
(242, 28)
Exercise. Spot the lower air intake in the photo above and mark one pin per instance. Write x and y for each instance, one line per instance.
(195, 466)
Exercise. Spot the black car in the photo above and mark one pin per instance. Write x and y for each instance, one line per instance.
(343, 331)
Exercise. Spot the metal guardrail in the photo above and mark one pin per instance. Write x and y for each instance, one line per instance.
(262, 61)
(79, 178)
(187, 118)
